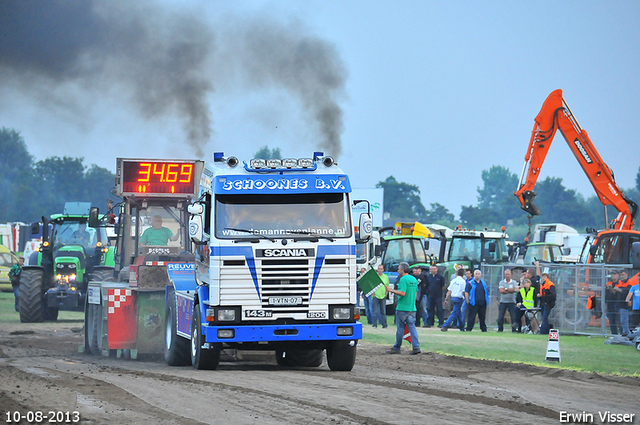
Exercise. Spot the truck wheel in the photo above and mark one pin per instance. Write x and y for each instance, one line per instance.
(176, 348)
(341, 355)
(31, 304)
(202, 358)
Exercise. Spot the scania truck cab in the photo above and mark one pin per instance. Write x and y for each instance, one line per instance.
(275, 264)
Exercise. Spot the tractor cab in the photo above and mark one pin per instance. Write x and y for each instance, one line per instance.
(71, 254)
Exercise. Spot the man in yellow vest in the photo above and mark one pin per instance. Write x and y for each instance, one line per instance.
(525, 301)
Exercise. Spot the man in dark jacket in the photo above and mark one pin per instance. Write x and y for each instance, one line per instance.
(435, 289)
(547, 301)
(611, 298)
(421, 301)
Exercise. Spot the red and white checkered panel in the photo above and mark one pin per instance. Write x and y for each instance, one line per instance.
(119, 298)
(122, 319)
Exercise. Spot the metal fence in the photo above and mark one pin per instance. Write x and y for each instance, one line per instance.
(575, 283)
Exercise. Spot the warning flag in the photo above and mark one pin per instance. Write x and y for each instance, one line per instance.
(369, 282)
(407, 334)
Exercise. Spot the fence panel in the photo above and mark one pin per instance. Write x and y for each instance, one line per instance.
(575, 283)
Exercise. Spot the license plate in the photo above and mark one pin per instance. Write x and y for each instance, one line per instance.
(285, 300)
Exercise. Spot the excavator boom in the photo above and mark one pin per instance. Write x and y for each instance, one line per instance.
(556, 115)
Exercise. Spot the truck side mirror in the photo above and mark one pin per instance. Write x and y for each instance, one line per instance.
(35, 228)
(592, 250)
(635, 255)
(365, 227)
(426, 244)
(195, 229)
(377, 250)
(94, 220)
(195, 209)
(492, 247)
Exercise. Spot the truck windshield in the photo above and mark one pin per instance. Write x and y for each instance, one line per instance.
(299, 215)
(463, 249)
(469, 249)
(546, 253)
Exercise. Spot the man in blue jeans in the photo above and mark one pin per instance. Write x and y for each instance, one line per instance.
(456, 294)
(406, 308)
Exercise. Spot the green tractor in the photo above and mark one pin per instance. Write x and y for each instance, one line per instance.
(74, 250)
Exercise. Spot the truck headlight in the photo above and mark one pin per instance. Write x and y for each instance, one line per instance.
(226, 315)
(341, 313)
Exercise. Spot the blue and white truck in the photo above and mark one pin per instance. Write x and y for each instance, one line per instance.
(275, 265)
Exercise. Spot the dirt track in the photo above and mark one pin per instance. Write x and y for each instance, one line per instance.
(41, 369)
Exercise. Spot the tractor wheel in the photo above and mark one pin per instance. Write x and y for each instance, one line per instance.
(102, 275)
(176, 348)
(341, 355)
(299, 358)
(202, 358)
(31, 304)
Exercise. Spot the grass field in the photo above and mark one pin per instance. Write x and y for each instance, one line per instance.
(9, 315)
(582, 353)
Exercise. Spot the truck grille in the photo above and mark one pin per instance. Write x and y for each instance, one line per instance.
(285, 280)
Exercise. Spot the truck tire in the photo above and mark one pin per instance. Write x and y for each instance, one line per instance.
(201, 358)
(176, 348)
(31, 304)
(341, 355)
(299, 358)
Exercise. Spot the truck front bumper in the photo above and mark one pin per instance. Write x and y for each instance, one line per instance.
(282, 333)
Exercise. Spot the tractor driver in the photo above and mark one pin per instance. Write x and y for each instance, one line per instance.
(157, 235)
(81, 236)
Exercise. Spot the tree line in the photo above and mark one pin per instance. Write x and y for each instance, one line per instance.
(31, 189)
(497, 206)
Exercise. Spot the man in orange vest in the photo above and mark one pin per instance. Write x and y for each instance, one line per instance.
(547, 301)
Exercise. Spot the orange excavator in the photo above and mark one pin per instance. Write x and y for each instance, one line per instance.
(556, 115)
(609, 246)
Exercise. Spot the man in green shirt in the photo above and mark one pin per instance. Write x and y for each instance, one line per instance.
(157, 235)
(379, 300)
(406, 308)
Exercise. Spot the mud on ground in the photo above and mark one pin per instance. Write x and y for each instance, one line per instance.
(42, 370)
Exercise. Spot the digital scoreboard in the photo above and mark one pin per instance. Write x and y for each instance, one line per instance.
(158, 177)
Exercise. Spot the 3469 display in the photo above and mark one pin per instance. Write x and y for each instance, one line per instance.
(157, 177)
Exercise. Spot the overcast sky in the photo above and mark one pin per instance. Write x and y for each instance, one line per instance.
(431, 92)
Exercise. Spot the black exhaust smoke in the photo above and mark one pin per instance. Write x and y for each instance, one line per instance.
(63, 51)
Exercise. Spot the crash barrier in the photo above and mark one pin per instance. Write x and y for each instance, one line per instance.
(575, 284)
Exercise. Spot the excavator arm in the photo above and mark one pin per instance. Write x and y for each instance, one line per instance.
(556, 115)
